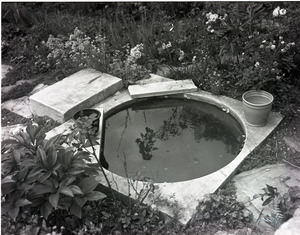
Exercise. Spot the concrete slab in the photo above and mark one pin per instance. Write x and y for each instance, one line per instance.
(252, 182)
(154, 78)
(185, 195)
(8, 131)
(162, 88)
(19, 106)
(4, 70)
(78, 91)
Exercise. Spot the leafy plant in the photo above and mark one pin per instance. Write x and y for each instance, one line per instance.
(289, 202)
(223, 208)
(284, 206)
(275, 219)
(40, 175)
(270, 192)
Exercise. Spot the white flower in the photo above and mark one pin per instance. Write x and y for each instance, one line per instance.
(282, 42)
(137, 54)
(280, 38)
(172, 27)
(181, 55)
(194, 59)
(276, 11)
(282, 12)
(264, 41)
(169, 44)
(256, 64)
(153, 207)
(212, 17)
(273, 47)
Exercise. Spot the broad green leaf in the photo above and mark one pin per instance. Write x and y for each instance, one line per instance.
(67, 181)
(28, 163)
(66, 191)
(7, 179)
(75, 189)
(56, 167)
(65, 202)
(26, 137)
(43, 157)
(95, 196)
(88, 184)
(34, 175)
(17, 155)
(67, 158)
(9, 142)
(81, 201)
(40, 137)
(22, 202)
(268, 201)
(42, 189)
(19, 138)
(271, 189)
(54, 182)
(70, 180)
(53, 199)
(22, 173)
(8, 187)
(50, 143)
(13, 212)
(75, 171)
(5, 207)
(52, 156)
(46, 209)
(76, 210)
(38, 131)
(44, 176)
(30, 130)
(82, 155)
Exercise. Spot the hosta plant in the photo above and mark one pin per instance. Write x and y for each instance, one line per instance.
(40, 176)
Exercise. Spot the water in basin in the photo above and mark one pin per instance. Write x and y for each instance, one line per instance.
(170, 140)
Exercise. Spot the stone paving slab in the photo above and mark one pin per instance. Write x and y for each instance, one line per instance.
(252, 182)
(19, 106)
(162, 88)
(78, 91)
(4, 70)
(8, 131)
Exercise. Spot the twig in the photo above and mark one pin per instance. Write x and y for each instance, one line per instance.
(291, 164)
(100, 165)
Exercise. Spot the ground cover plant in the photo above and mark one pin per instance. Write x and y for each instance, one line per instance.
(226, 48)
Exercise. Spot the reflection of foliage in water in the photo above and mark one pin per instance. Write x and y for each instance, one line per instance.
(146, 143)
(214, 128)
(171, 127)
(203, 125)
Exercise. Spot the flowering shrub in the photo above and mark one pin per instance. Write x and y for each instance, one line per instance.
(81, 51)
(125, 64)
(77, 51)
(234, 47)
(255, 48)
